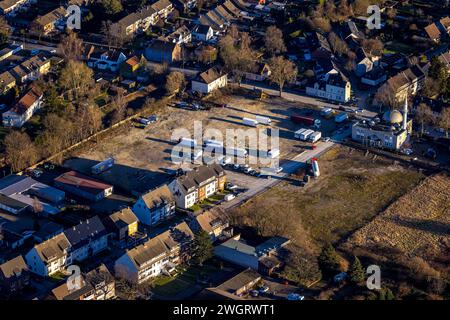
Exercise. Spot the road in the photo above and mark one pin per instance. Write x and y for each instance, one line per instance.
(289, 167)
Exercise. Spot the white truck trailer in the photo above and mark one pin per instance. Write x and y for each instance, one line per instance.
(304, 136)
(315, 136)
(299, 132)
(250, 122)
(263, 120)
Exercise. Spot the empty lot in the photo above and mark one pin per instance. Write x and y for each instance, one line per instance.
(143, 155)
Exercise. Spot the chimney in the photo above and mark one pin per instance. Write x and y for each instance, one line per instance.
(405, 114)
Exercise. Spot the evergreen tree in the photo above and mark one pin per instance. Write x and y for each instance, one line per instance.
(202, 248)
(356, 272)
(329, 260)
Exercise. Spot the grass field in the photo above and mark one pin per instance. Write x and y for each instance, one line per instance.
(350, 192)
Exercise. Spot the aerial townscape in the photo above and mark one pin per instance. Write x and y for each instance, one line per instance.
(250, 150)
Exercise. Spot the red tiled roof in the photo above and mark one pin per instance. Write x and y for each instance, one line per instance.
(27, 101)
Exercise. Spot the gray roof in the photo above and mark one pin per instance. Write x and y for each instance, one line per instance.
(12, 203)
(240, 280)
(239, 246)
(86, 230)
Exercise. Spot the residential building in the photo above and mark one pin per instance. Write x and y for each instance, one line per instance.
(374, 77)
(155, 206)
(196, 185)
(53, 21)
(136, 22)
(184, 5)
(213, 222)
(17, 193)
(405, 83)
(47, 230)
(83, 186)
(260, 73)
(9, 51)
(438, 30)
(163, 51)
(31, 69)
(159, 255)
(123, 223)
(239, 285)
(24, 109)
(107, 61)
(97, 284)
(333, 86)
(49, 257)
(180, 36)
(87, 239)
(130, 67)
(11, 7)
(14, 276)
(210, 80)
(163, 8)
(7, 82)
(202, 32)
(237, 251)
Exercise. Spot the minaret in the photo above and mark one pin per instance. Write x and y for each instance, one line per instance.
(405, 114)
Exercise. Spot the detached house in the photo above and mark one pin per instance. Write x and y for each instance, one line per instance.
(210, 80)
(50, 256)
(108, 60)
(159, 255)
(14, 276)
(332, 86)
(197, 185)
(181, 35)
(155, 206)
(87, 239)
(163, 51)
(24, 109)
(213, 221)
(31, 69)
(202, 32)
(261, 72)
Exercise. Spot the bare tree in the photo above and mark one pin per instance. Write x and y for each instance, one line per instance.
(273, 41)
(20, 151)
(373, 47)
(283, 71)
(175, 82)
(423, 116)
(444, 120)
(71, 47)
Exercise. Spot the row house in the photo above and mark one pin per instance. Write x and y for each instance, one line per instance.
(11, 7)
(185, 5)
(31, 69)
(50, 256)
(136, 22)
(155, 206)
(87, 239)
(163, 8)
(438, 30)
(24, 109)
(97, 284)
(159, 255)
(197, 185)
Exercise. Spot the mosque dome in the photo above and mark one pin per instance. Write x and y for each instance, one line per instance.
(393, 116)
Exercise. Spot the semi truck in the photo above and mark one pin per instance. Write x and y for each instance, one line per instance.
(263, 120)
(250, 122)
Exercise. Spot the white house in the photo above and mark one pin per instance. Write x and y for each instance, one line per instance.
(181, 35)
(260, 73)
(49, 257)
(209, 81)
(158, 255)
(197, 185)
(333, 86)
(87, 239)
(202, 32)
(155, 206)
(109, 60)
(24, 109)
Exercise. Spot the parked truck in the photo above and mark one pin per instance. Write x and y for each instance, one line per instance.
(341, 117)
(315, 136)
(304, 136)
(250, 122)
(102, 166)
(263, 120)
(298, 133)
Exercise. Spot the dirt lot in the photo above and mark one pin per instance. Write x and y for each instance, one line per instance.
(417, 224)
(351, 191)
(142, 155)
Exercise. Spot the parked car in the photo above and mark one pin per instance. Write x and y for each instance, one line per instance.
(295, 297)
(152, 118)
(230, 186)
(229, 197)
(263, 289)
(326, 139)
(254, 293)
